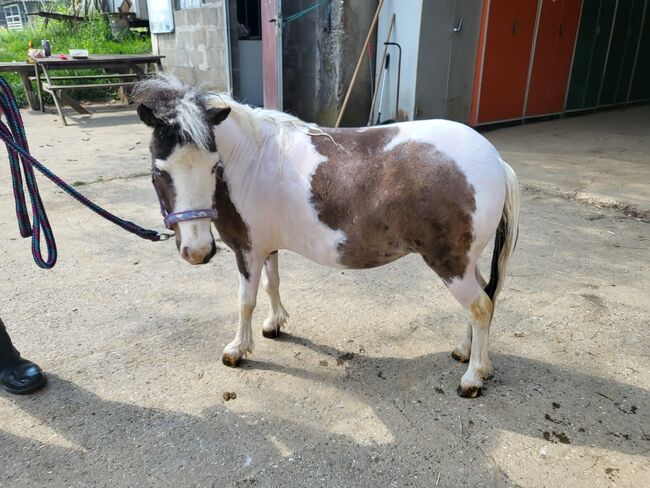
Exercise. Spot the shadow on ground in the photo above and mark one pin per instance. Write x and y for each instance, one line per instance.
(124, 444)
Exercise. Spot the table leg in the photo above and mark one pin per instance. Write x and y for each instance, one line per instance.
(137, 70)
(73, 103)
(39, 88)
(122, 91)
(29, 92)
(54, 96)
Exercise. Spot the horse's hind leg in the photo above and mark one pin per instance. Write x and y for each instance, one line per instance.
(271, 282)
(470, 294)
(462, 350)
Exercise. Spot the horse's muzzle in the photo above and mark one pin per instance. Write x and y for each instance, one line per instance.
(196, 257)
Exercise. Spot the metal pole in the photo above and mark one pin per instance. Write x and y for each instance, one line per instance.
(278, 44)
(381, 71)
(399, 75)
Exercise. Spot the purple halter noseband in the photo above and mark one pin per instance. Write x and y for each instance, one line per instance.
(175, 217)
(171, 218)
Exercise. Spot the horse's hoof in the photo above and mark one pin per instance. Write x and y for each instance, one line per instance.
(271, 334)
(469, 392)
(459, 357)
(230, 360)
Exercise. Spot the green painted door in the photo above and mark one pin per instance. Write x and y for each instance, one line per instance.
(629, 55)
(640, 89)
(599, 53)
(616, 53)
(582, 55)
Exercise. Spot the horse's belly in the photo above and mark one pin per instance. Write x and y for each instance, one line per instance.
(314, 241)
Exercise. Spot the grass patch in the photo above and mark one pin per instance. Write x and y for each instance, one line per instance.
(94, 35)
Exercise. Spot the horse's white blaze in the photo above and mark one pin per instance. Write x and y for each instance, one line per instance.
(191, 170)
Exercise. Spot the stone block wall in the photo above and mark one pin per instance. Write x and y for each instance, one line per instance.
(197, 50)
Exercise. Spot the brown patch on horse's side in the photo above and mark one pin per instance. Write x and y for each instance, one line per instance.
(231, 227)
(411, 198)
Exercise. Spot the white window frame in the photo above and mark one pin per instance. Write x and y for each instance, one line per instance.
(13, 17)
(188, 4)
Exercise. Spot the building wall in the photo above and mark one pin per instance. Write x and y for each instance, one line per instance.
(30, 7)
(198, 49)
(437, 63)
(434, 57)
(463, 60)
(408, 15)
(447, 59)
(320, 51)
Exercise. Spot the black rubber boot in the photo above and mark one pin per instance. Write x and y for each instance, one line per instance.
(22, 377)
(17, 375)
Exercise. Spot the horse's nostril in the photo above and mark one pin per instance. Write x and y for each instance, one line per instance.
(185, 252)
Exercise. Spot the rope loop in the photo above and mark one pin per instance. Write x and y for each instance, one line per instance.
(22, 164)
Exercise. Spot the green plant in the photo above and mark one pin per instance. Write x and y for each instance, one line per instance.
(93, 34)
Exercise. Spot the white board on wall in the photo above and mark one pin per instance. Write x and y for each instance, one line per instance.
(161, 16)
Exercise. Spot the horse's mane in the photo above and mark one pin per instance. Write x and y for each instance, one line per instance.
(254, 117)
(178, 103)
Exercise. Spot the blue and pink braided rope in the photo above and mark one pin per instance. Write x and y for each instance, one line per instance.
(22, 163)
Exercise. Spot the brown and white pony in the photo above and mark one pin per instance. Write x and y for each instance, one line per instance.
(345, 198)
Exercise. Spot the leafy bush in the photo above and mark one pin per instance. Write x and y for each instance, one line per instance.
(94, 35)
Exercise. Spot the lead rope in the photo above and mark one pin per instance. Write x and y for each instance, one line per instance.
(13, 135)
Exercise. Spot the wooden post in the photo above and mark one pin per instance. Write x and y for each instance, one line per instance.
(381, 70)
(359, 62)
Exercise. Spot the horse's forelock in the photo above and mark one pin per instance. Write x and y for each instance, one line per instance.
(177, 104)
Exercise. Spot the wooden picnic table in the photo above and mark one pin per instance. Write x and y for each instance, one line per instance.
(125, 71)
(120, 71)
(25, 70)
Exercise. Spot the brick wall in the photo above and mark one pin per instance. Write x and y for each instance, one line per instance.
(197, 50)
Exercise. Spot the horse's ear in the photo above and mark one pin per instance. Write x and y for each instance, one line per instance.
(147, 116)
(217, 115)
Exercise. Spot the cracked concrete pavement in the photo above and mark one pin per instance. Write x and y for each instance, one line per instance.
(360, 391)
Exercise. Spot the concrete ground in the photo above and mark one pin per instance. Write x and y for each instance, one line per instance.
(360, 391)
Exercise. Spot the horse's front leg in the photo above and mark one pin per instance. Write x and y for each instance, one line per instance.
(271, 282)
(250, 269)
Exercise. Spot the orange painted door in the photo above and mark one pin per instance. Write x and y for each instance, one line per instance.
(556, 34)
(508, 43)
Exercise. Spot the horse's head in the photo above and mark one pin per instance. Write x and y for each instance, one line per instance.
(184, 160)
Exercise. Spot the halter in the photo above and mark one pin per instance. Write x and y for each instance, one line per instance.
(171, 218)
(175, 217)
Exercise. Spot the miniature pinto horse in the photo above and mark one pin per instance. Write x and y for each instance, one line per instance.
(351, 198)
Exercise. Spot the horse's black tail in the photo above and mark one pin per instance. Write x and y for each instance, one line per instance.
(507, 232)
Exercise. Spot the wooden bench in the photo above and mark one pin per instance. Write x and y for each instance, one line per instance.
(58, 91)
(91, 77)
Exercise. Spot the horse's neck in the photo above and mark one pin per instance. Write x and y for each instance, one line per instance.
(241, 152)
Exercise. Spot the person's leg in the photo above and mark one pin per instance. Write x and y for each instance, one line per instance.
(17, 375)
(8, 353)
